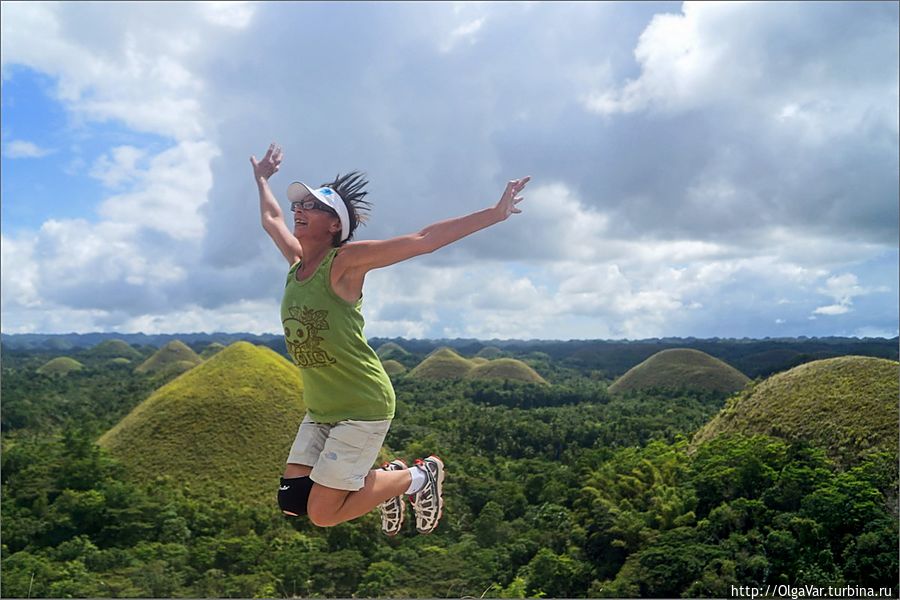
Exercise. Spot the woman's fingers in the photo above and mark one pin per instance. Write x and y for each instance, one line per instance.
(274, 153)
(510, 195)
(270, 163)
(518, 184)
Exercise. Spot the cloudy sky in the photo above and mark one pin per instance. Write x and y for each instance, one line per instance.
(698, 169)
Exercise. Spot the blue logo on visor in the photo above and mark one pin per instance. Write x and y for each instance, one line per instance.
(325, 191)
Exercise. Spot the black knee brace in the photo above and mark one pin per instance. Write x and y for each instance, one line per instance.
(293, 495)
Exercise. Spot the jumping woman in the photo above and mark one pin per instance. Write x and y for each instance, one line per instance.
(348, 396)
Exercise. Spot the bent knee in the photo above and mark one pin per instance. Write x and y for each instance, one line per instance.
(321, 515)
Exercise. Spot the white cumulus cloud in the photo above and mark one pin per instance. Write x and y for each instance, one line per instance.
(24, 149)
(710, 170)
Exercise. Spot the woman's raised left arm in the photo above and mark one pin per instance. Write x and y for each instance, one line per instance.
(367, 255)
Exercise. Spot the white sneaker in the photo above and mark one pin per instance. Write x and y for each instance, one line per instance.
(393, 509)
(428, 502)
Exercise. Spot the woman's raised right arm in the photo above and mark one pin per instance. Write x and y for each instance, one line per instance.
(270, 212)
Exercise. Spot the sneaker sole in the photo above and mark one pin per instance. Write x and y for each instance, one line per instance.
(400, 497)
(440, 494)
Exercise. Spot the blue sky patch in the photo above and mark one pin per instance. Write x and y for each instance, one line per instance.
(56, 184)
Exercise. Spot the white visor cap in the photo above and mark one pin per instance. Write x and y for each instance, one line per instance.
(298, 191)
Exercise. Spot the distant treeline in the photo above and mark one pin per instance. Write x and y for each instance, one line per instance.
(606, 358)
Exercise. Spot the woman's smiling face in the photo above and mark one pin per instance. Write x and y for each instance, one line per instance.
(312, 217)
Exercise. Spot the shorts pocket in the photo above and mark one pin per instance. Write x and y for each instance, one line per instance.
(350, 452)
(360, 446)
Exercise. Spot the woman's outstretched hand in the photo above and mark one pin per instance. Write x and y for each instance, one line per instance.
(510, 197)
(269, 164)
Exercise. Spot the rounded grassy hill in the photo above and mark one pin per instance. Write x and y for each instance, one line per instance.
(392, 367)
(391, 351)
(61, 366)
(114, 349)
(490, 352)
(505, 368)
(174, 357)
(681, 369)
(211, 350)
(223, 428)
(443, 363)
(845, 405)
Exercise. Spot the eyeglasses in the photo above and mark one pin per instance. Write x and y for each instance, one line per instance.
(311, 204)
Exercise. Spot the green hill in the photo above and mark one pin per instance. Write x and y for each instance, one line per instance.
(443, 363)
(391, 351)
(211, 350)
(478, 360)
(681, 369)
(62, 365)
(119, 362)
(505, 368)
(223, 428)
(490, 352)
(173, 358)
(846, 405)
(392, 367)
(114, 349)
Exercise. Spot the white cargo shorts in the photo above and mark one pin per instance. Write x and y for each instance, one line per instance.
(340, 454)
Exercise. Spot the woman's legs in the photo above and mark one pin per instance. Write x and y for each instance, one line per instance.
(342, 454)
(328, 506)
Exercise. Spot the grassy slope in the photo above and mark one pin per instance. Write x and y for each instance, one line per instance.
(390, 351)
(174, 355)
(114, 349)
(490, 352)
(223, 428)
(211, 350)
(60, 366)
(505, 368)
(443, 363)
(392, 367)
(847, 405)
(681, 368)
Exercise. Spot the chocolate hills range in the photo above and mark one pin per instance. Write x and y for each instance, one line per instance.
(608, 358)
(444, 363)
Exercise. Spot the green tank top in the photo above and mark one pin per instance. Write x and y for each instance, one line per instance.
(342, 376)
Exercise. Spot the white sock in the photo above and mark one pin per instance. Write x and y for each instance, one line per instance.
(418, 480)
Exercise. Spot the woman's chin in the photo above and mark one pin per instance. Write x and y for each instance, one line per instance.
(303, 234)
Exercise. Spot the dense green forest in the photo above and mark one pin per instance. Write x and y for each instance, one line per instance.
(553, 490)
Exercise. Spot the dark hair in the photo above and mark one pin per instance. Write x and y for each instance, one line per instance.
(350, 188)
